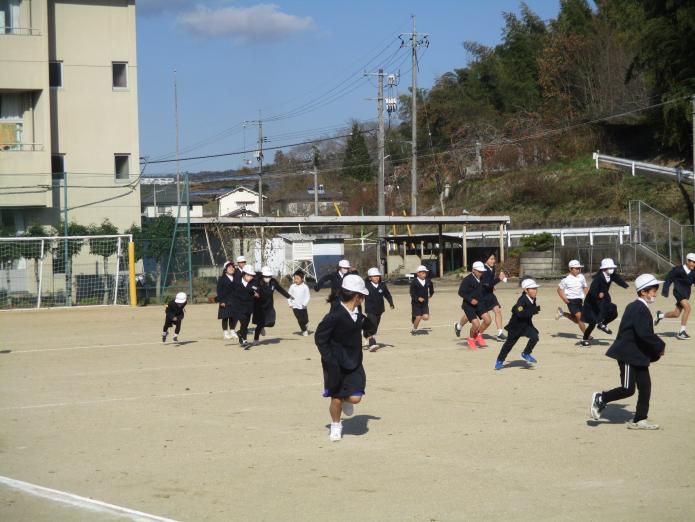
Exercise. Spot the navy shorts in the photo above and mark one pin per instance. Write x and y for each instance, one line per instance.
(472, 312)
(575, 306)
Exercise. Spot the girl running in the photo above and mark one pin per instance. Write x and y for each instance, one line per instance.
(244, 293)
(682, 278)
(264, 306)
(374, 302)
(598, 310)
(174, 316)
(339, 340)
(225, 289)
(421, 291)
(489, 301)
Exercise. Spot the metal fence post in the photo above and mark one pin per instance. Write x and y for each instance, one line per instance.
(118, 271)
(38, 290)
(669, 242)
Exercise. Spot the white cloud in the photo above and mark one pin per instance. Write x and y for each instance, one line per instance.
(260, 22)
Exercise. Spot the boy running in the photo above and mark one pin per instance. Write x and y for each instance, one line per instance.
(682, 278)
(298, 301)
(374, 302)
(521, 324)
(635, 348)
(572, 290)
(598, 310)
(471, 291)
(174, 316)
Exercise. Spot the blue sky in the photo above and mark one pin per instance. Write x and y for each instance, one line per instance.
(233, 58)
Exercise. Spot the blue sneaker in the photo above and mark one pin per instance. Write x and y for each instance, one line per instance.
(499, 365)
(529, 358)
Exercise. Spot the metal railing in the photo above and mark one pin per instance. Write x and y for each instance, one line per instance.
(681, 175)
(21, 147)
(660, 234)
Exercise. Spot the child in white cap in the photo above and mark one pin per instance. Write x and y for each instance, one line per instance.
(682, 278)
(244, 293)
(421, 291)
(174, 315)
(521, 324)
(572, 290)
(635, 348)
(264, 307)
(335, 280)
(471, 291)
(339, 340)
(241, 263)
(598, 310)
(374, 302)
(490, 303)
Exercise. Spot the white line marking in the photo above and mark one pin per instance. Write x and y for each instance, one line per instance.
(80, 502)
(82, 347)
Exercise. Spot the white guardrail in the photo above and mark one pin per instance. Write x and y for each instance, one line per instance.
(678, 174)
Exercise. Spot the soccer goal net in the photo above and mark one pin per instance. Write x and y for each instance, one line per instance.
(37, 272)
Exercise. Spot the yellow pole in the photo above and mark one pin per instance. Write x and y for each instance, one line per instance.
(337, 209)
(131, 274)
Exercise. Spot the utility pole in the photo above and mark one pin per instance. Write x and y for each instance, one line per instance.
(66, 267)
(380, 148)
(260, 164)
(693, 116)
(414, 44)
(176, 123)
(188, 236)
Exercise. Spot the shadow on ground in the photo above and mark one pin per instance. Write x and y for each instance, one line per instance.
(613, 414)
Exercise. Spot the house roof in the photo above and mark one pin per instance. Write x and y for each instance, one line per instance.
(294, 237)
(166, 195)
(237, 189)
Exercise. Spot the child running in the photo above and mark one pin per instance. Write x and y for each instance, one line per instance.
(374, 302)
(421, 291)
(298, 301)
(471, 291)
(225, 289)
(174, 316)
(339, 340)
(244, 293)
(335, 279)
(521, 324)
(489, 280)
(635, 348)
(264, 307)
(598, 310)
(572, 290)
(682, 278)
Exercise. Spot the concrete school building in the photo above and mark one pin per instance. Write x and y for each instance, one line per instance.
(68, 112)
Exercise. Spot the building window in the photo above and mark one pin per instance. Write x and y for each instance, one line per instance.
(58, 166)
(120, 75)
(122, 166)
(11, 121)
(55, 74)
(9, 17)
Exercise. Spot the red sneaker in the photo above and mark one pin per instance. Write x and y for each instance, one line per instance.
(481, 342)
(471, 344)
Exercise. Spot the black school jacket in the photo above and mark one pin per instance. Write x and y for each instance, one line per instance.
(225, 289)
(595, 308)
(488, 280)
(339, 338)
(418, 290)
(334, 280)
(175, 310)
(263, 307)
(374, 302)
(636, 342)
(469, 289)
(522, 316)
(681, 281)
(243, 298)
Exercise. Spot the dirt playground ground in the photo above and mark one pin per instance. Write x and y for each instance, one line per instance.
(92, 404)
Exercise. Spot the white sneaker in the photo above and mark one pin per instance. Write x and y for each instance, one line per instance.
(348, 408)
(233, 334)
(644, 424)
(336, 431)
(226, 334)
(559, 314)
(305, 333)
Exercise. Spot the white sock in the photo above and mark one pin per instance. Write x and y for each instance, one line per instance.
(682, 329)
(660, 315)
(500, 332)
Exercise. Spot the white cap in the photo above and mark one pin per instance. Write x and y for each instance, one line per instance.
(690, 257)
(181, 297)
(226, 264)
(421, 268)
(266, 272)
(645, 281)
(479, 266)
(344, 263)
(354, 283)
(607, 263)
(248, 269)
(529, 283)
(241, 259)
(575, 264)
(373, 272)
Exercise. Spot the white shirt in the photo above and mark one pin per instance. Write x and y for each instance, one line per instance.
(301, 296)
(423, 282)
(375, 285)
(573, 286)
(644, 301)
(687, 270)
(607, 276)
(353, 312)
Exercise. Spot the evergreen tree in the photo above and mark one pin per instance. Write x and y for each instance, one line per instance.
(357, 163)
